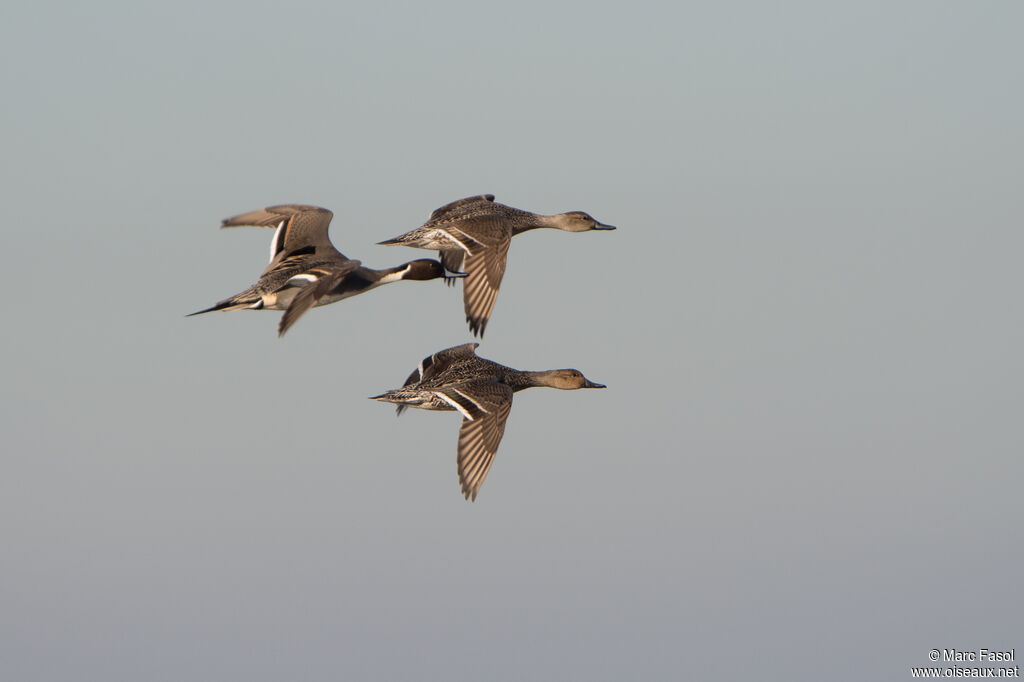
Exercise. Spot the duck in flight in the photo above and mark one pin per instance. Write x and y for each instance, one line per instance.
(306, 270)
(481, 391)
(473, 236)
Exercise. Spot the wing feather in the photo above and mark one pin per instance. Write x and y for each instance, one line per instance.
(459, 206)
(433, 365)
(297, 225)
(485, 269)
(327, 278)
(479, 438)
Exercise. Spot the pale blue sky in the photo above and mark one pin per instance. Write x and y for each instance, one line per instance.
(807, 463)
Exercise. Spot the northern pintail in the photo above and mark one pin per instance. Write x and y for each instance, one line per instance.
(481, 391)
(306, 270)
(473, 234)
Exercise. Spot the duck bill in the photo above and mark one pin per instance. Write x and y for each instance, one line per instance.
(602, 226)
(450, 278)
(590, 384)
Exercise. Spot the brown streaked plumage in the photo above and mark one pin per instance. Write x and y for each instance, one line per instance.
(481, 390)
(473, 235)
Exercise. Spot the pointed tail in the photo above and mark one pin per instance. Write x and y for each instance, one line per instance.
(232, 303)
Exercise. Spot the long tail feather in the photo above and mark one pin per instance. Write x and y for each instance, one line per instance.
(231, 304)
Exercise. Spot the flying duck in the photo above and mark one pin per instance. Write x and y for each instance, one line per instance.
(473, 235)
(306, 270)
(456, 379)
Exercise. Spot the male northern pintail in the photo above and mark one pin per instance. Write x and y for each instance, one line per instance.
(306, 270)
(481, 391)
(473, 234)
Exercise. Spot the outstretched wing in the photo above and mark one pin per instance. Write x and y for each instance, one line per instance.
(297, 227)
(484, 270)
(438, 362)
(435, 364)
(457, 208)
(488, 404)
(322, 280)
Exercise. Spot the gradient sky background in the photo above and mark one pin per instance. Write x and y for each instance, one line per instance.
(807, 464)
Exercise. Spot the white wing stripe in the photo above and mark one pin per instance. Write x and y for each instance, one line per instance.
(454, 404)
(470, 399)
(452, 238)
(275, 244)
(470, 238)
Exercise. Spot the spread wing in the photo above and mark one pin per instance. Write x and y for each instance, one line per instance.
(489, 404)
(457, 208)
(435, 364)
(298, 227)
(322, 280)
(440, 361)
(484, 270)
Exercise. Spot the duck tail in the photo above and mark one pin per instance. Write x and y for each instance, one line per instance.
(401, 402)
(233, 303)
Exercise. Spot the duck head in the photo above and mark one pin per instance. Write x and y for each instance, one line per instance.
(426, 268)
(565, 379)
(578, 221)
